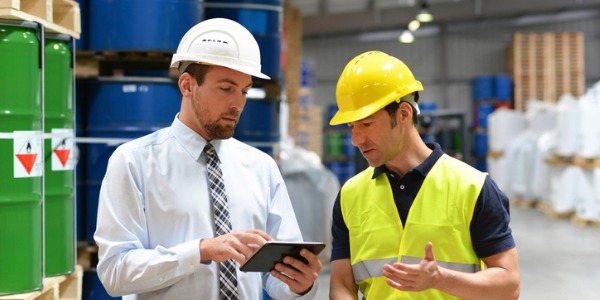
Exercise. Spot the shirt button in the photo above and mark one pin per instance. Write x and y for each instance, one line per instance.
(402, 186)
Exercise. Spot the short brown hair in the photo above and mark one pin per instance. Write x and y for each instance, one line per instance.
(198, 71)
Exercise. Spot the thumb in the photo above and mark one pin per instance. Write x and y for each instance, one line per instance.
(429, 252)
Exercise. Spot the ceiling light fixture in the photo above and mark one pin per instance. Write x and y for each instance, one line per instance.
(406, 37)
(414, 25)
(424, 15)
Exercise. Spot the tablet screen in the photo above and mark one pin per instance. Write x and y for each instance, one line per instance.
(273, 252)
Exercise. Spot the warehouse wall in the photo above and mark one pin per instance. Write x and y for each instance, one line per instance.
(446, 62)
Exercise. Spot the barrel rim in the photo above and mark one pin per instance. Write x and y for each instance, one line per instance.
(136, 79)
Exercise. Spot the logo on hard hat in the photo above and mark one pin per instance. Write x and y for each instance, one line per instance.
(215, 40)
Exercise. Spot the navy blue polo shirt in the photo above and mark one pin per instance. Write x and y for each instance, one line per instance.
(490, 232)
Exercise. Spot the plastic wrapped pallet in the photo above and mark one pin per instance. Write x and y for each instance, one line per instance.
(567, 126)
(589, 124)
(504, 125)
(587, 206)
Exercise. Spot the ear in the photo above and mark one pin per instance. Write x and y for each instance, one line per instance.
(405, 112)
(185, 84)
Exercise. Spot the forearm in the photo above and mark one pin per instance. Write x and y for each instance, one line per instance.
(279, 290)
(143, 270)
(489, 284)
(342, 294)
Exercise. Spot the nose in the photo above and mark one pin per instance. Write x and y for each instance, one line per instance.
(238, 103)
(357, 137)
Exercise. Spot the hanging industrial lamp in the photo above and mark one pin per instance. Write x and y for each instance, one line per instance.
(424, 15)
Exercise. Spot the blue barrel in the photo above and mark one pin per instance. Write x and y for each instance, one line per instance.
(92, 288)
(482, 112)
(480, 164)
(82, 42)
(427, 106)
(263, 19)
(480, 146)
(124, 108)
(259, 124)
(503, 89)
(343, 170)
(482, 88)
(141, 24)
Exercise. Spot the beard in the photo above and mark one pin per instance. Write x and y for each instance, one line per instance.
(220, 132)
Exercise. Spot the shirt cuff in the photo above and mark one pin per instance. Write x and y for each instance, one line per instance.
(311, 294)
(188, 253)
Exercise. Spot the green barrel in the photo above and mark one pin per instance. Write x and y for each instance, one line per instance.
(335, 144)
(21, 166)
(59, 176)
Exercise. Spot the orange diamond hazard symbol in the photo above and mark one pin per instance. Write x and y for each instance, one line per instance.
(63, 155)
(27, 160)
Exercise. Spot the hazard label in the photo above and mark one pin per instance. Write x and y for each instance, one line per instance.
(27, 154)
(62, 149)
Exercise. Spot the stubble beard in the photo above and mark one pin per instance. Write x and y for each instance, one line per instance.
(220, 132)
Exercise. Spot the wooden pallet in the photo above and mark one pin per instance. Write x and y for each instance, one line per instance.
(113, 63)
(549, 211)
(524, 203)
(495, 154)
(64, 287)
(57, 16)
(579, 221)
(556, 160)
(586, 163)
(544, 66)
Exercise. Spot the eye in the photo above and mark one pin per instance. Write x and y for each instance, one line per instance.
(226, 89)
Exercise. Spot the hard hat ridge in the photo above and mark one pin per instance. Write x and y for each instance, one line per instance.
(220, 42)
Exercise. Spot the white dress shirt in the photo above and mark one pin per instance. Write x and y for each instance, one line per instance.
(154, 209)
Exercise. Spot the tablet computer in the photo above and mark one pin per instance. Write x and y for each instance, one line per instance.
(273, 252)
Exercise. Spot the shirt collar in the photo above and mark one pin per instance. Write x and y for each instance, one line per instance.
(191, 141)
(424, 167)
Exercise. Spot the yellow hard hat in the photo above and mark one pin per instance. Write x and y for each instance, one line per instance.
(368, 83)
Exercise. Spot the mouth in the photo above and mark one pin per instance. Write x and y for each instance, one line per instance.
(233, 119)
(365, 151)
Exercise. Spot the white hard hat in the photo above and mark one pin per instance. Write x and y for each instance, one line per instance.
(220, 42)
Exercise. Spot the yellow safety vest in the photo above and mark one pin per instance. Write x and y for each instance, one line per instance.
(441, 213)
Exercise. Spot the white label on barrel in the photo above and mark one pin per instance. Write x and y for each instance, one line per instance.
(129, 88)
(27, 146)
(62, 149)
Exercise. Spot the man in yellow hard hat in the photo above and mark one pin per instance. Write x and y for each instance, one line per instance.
(180, 209)
(417, 223)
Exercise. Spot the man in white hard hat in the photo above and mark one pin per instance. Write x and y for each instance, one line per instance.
(156, 231)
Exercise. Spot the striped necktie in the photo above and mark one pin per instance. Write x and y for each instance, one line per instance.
(227, 269)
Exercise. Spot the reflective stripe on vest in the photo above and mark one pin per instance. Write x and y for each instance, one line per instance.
(465, 268)
(374, 267)
(441, 213)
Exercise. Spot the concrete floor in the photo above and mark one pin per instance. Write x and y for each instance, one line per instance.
(558, 260)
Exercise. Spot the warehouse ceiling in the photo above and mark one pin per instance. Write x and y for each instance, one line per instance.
(335, 17)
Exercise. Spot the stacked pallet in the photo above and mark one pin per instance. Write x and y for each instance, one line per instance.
(57, 16)
(544, 66)
(305, 119)
(306, 127)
